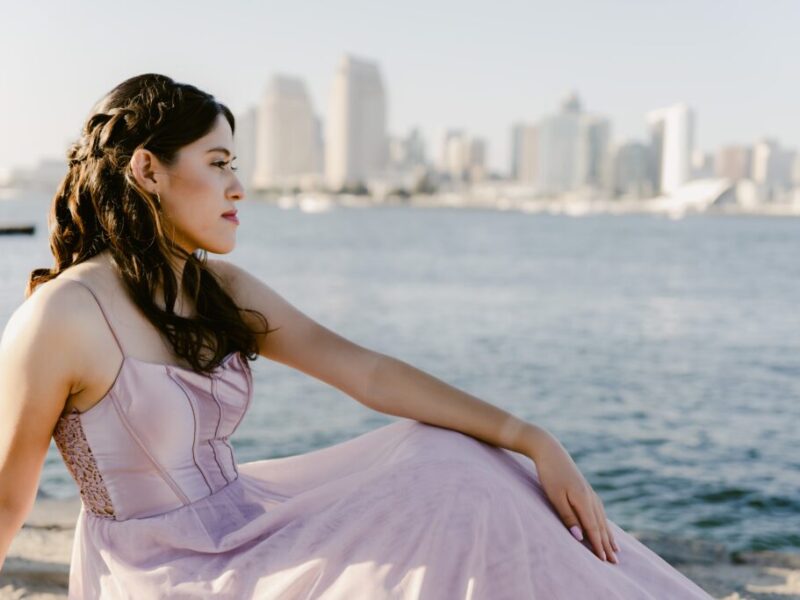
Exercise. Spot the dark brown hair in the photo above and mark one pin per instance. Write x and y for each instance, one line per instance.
(99, 205)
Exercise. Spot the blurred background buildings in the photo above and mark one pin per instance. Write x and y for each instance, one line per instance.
(285, 145)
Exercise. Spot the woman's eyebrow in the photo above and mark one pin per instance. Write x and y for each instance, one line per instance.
(220, 149)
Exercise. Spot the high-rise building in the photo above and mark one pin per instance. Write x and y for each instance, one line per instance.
(287, 143)
(357, 142)
(455, 154)
(462, 157)
(772, 164)
(733, 162)
(796, 170)
(559, 145)
(443, 150)
(594, 138)
(416, 154)
(572, 149)
(319, 144)
(702, 164)
(632, 171)
(407, 152)
(517, 130)
(672, 142)
(525, 153)
(772, 168)
(476, 161)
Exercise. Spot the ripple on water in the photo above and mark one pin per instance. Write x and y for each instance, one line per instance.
(618, 472)
(724, 495)
(714, 521)
(775, 503)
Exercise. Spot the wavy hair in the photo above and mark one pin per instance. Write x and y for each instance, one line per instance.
(99, 205)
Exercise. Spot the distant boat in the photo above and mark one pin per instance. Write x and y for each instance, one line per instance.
(7, 229)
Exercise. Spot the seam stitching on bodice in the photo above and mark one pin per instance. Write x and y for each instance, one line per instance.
(248, 378)
(194, 436)
(167, 479)
(216, 429)
(248, 396)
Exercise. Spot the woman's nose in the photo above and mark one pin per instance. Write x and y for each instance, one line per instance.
(236, 192)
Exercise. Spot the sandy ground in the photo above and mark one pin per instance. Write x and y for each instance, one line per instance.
(37, 566)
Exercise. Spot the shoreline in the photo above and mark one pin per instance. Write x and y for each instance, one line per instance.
(37, 565)
(500, 201)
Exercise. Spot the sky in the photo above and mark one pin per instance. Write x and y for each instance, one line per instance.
(478, 66)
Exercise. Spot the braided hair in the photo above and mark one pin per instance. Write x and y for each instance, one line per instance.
(99, 205)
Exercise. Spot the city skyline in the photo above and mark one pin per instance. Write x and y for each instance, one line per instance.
(483, 88)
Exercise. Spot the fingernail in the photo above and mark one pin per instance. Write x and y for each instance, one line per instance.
(576, 533)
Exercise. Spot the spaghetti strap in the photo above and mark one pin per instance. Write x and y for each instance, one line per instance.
(105, 316)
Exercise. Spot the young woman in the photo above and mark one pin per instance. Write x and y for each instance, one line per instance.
(132, 353)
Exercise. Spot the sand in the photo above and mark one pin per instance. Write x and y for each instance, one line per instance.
(37, 566)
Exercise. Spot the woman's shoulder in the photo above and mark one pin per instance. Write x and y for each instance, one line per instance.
(56, 310)
(57, 299)
(44, 335)
(62, 305)
(229, 274)
(223, 269)
(67, 293)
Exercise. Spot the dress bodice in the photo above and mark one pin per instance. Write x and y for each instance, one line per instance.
(158, 439)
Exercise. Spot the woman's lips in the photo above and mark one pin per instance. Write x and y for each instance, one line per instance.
(231, 217)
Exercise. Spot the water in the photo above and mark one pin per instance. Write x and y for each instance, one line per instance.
(665, 355)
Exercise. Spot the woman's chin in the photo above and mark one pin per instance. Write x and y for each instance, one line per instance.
(220, 247)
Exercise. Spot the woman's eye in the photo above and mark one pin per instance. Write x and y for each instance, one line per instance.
(221, 164)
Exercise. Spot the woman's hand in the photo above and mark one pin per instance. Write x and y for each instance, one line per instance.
(571, 495)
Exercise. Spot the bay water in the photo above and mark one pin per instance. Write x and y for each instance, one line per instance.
(664, 354)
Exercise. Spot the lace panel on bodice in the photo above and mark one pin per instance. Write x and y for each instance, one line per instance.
(71, 442)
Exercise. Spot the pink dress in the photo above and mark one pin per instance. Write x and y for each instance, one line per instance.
(406, 511)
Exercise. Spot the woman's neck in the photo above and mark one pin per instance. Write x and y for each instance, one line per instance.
(183, 307)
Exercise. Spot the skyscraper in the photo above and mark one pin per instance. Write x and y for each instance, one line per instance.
(517, 131)
(672, 143)
(594, 139)
(356, 142)
(632, 170)
(573, 149)
(455, 155)
(287, 142)
(558, 148)
(476, 161)
(772, 168)
(734, 162)
(525, 153)
(407, 153)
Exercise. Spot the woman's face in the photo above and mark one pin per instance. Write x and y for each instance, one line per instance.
(198, 188)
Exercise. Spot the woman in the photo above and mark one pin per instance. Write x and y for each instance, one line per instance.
(133, 355)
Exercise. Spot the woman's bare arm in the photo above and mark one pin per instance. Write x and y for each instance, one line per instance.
(377, 380)
(392, 386)
(39, 368)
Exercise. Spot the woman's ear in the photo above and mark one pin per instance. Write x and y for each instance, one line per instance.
(144, 168)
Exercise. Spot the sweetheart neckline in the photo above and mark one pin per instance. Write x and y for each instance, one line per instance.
(125, 358)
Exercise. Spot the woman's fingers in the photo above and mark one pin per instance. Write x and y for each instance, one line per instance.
(582, 504)
(603, 524)
(612, 541)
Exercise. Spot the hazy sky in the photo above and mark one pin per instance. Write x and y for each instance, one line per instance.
(475, 65)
